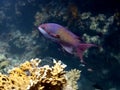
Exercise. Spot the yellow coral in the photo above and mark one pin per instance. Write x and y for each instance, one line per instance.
(29, 76)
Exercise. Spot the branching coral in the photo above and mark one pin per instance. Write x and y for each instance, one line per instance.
(29, 76)
(72, 77)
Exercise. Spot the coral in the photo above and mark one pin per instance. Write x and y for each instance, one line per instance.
(74, 10)
(58, 13)
(40, 17)
(18, 45)
(72, 77)
(101, 23)
(85, 15)
(92, 39)
(4, 62)
(30, 76)
(2, 57)
(3, 46)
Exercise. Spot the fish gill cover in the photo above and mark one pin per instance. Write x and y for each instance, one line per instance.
(96, 22)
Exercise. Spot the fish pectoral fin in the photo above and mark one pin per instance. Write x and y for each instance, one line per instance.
(54, 35)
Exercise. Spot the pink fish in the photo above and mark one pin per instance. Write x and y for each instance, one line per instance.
(68, 40)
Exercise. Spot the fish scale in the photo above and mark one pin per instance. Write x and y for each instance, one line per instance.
(66, 37)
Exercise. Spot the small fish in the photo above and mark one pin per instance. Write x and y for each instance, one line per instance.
(68, 40)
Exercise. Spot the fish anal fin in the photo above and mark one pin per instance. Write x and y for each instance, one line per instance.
(67, 49)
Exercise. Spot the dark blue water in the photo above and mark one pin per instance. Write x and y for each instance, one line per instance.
(20, 16)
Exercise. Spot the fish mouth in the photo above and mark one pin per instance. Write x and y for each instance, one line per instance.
(42, 30)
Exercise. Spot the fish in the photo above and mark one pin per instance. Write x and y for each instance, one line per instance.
(70, 42)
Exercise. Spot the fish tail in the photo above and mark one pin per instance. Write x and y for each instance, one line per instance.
(81, 49)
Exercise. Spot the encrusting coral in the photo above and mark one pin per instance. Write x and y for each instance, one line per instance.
(30, 76)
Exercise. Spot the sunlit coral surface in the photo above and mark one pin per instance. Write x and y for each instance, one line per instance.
(31, 76)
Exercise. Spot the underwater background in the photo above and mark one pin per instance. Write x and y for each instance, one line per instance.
(94, 21)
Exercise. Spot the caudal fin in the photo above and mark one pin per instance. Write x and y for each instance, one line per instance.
(81, 49)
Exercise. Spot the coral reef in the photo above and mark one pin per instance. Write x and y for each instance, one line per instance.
(30, 76)
(72, 77)
(19, 40)
(4, 62)
(20, 43)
